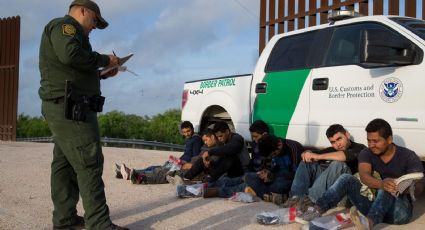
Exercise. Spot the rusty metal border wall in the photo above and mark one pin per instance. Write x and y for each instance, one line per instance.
(9, 76)
(291, 18)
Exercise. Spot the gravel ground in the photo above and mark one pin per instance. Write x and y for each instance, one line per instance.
(25, 195)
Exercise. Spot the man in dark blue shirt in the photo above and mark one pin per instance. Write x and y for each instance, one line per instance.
(193, 143)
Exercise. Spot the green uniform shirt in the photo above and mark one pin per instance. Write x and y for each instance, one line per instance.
(66, 54)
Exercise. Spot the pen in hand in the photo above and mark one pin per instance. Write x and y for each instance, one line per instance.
(117, 57)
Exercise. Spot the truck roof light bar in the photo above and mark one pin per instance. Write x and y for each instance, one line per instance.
(337, 15)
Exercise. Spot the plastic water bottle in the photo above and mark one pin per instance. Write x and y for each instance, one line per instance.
(287, 215)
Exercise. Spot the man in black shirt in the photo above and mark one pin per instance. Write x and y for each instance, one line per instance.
(318, 171)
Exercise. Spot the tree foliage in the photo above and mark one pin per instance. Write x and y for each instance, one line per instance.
(115, 124)
(165, 127)
(32, 127)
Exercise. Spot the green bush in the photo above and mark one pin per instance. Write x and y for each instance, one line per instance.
(165, 127)
(32, 127)
(115, 124)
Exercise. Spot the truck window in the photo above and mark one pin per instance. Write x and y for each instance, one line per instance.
(291, 53)
(344, 47)
(414, 25)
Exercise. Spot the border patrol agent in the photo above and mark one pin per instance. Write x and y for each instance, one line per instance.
(67, 56)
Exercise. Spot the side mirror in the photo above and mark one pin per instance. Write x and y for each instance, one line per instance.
(382, 48)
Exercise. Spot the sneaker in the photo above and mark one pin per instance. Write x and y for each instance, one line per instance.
(116, 168)
(277, 198)
(116, 227)
(304, 203)
(125, 172)
(291, 202)
(267, 197)
(345, 203)
(174, 180)
(79, 224)
(361, 222)
(136, 178)
(169, 179)
(311, 213)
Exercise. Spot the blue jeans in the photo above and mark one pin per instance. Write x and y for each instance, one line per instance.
(227, 186)
(280, 184)
(385, 208)
(314, 179)
(150, 169)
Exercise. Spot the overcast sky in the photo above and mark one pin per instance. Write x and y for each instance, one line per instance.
(173, 41)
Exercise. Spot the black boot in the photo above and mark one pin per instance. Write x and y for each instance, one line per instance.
(79, 224)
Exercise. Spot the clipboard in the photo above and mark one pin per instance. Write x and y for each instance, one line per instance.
(121, 61)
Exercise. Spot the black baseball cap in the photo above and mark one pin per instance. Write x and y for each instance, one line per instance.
(101, 23)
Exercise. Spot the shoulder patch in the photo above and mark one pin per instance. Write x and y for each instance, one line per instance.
(68, 29)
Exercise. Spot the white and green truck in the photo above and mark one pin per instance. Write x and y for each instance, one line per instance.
(348, 71)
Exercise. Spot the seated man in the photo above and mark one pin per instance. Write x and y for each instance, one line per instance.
(391, 162)
(231, 157)
(210, 141)
(277, 170)
(257, 129)
(226, 186)
(192, 144)
(274, 175)
(318, 171)
(157, 174)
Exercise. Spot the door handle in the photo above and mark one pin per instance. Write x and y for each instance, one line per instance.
(261, 87)
(320, 83)
(411, 119)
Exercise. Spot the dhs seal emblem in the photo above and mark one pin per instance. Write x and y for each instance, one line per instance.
(391, 90)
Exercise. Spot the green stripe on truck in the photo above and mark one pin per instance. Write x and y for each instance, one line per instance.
(277, 105)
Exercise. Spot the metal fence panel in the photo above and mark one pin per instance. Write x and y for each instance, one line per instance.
(9, 76)
(320, 13)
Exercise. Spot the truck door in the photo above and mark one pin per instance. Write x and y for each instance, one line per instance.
(282, 97)
(346, 92)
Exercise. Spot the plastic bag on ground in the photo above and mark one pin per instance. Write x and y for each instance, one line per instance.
(333, 222)
(243, 197)
(280, 216)
(195, 189)
(185, 191)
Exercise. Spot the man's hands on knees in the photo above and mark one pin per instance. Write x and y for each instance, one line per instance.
(264, 175)
(187, 166)
(205, 159)
(309, 156)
